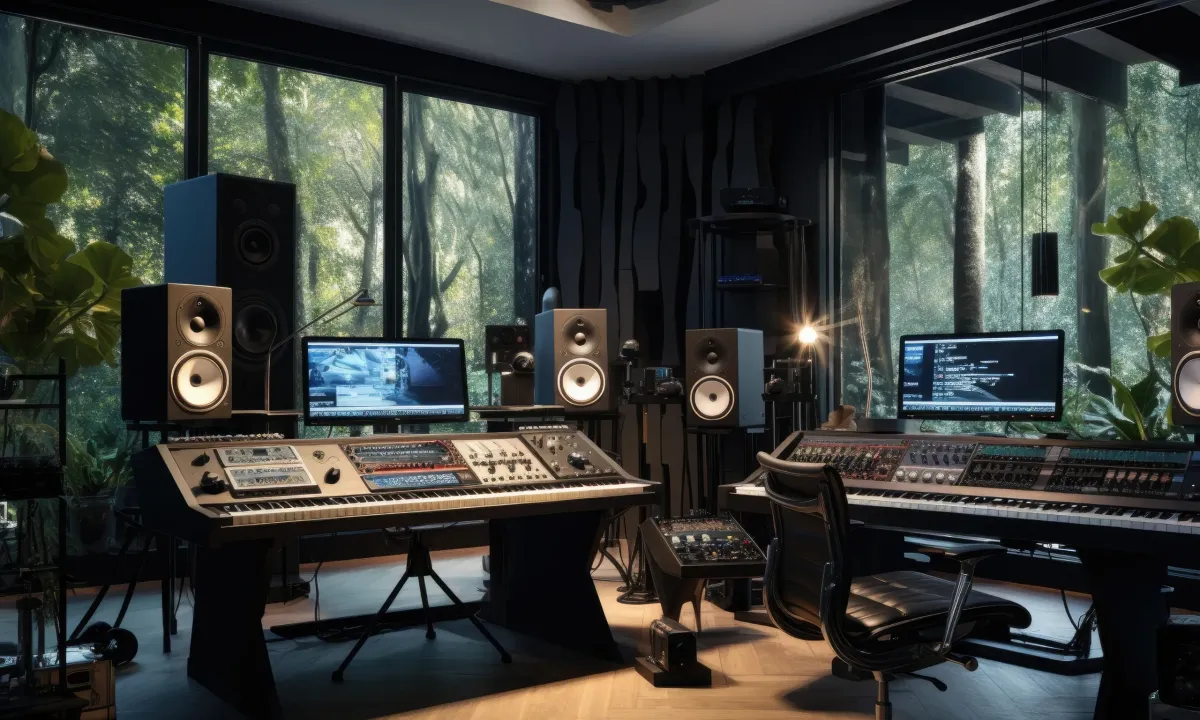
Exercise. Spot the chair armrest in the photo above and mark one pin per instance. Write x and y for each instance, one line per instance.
(964, 551)
(857, 523)
(968, 556)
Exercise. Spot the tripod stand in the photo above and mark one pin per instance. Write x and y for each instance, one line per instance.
(419, 566)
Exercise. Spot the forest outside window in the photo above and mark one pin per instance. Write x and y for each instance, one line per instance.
(110, 109)
(469, 179)
(944, 177)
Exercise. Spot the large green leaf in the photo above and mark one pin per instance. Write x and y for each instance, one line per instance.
(18, 144)
(1173, 237)
(47, 250)
(1160, 344)
(45, 183)
(1145, 396)
(1150, 279)
(1127, 223)
(1117, 276)
(111, 266)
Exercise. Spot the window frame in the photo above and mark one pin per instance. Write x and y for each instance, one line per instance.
(459, 81)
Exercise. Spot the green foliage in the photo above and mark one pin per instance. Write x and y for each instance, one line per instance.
(1152, 261)
(53, 302)
(1136, 411)
(99, 465)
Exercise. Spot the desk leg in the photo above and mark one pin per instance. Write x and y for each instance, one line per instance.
(1127, 591)
(229, 653)
(168, 580)
(541, 581)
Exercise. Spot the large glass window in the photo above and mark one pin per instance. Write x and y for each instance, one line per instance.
(955, 170)
(325, 135)
(110, 109)
(469, 223)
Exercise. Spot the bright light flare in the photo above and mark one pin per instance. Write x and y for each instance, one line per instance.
(808, 335)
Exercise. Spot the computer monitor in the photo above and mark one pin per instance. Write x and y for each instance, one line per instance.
(986, 376)
(359, 381)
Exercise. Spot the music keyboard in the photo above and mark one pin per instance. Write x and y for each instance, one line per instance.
(1078, 493)
(1101, 516)
(213, 492)
(321, 508)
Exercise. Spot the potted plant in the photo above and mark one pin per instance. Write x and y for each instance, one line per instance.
(56, 300)
(95, 472)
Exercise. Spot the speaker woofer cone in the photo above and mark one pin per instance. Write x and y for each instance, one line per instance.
(712, 398)
(199, 381)
(1187, 383)
(255, 327)
(581, 382)
(200, 320)
(255, 242)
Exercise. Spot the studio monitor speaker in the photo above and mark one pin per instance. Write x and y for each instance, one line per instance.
(723, 378)
(240, 233)
(570, 364)
(1185, 354)
(176, 352)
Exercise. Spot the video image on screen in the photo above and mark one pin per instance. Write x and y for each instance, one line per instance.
(384, 380)
(1000, 375)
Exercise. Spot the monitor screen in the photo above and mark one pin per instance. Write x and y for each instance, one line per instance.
(988, 376)
(359, 381)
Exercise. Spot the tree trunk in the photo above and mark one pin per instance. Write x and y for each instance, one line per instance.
(877, 249)
(12, 64)
(969, 216)
(524, 220)
(1091, 251)
(418, 251)
(279, 160)
(369, 259)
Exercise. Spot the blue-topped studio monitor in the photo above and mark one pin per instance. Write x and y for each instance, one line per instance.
(724, 369)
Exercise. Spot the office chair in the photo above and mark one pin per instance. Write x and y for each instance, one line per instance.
(879, 625)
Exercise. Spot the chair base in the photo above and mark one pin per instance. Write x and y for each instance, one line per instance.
(883, 701)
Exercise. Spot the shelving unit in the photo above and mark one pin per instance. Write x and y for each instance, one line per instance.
(33, 479)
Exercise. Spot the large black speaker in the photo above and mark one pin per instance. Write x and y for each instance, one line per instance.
(723, 382)
(1179, 662)
(241, 233)
(175, 352)
(570, 352)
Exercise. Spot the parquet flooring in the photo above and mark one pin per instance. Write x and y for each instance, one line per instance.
(758, 672)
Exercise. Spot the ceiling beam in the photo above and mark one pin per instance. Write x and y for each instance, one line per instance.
(1169, 35)
(1065, 66)
(917, 125)
(961, 92)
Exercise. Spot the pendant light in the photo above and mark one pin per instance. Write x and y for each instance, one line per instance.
(1044, 253)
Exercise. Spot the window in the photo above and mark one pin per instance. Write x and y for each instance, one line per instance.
(469, 223)
(959, 167)
(325, 135)
(110, 108)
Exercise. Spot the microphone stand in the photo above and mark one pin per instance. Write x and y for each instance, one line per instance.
(640, 590)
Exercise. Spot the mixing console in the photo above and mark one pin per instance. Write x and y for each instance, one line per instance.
(197, 490)
(708, 547)
(1043, 490)
(1006, 466)
(858, 460)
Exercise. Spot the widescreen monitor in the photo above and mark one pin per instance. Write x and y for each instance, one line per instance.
(367, 381)
(986, 376)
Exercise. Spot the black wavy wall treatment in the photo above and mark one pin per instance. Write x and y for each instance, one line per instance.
(635, 160)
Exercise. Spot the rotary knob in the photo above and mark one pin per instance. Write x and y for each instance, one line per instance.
(578, 461)
(211, 483)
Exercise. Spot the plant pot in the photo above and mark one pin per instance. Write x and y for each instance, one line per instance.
(93, 524)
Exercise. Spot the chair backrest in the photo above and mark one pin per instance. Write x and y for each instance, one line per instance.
(808, 506)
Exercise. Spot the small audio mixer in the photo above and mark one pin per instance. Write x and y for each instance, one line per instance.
(703, 547)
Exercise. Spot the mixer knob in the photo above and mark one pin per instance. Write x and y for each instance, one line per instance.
(926, 476)
(940, 478)
(201, 459)
(577, 460)
(211, 483)
(491, 469)
(899, 475)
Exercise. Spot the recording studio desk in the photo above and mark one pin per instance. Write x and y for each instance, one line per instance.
(547, 495)
(1128, 509)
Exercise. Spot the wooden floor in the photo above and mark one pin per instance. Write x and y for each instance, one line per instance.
(758, 673)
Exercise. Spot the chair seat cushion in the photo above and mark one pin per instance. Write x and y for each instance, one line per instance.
(905, 601)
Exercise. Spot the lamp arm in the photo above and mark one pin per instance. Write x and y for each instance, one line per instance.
(357, 294)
